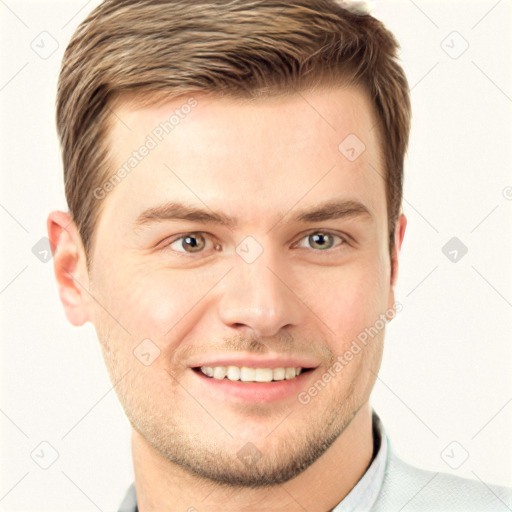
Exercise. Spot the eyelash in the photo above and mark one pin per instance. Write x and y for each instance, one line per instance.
(343, 242)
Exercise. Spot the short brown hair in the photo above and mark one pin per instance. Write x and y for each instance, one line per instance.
(243, 48)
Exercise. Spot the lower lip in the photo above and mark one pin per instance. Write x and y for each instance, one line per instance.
(256, 391)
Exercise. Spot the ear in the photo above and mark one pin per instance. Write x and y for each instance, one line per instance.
(401, 224)
(70, 266)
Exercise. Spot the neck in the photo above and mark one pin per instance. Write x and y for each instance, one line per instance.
(163, 486)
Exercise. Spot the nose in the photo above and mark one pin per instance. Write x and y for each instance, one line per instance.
(256, 297)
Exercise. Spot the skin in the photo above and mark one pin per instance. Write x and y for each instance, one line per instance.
(259, 162)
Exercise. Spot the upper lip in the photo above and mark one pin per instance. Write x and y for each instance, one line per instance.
(277, 361)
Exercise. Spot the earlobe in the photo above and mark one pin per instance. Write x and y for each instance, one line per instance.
(70, 266)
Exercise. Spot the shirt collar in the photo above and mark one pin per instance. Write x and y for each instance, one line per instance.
(364, 494)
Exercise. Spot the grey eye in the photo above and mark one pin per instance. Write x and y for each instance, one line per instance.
(320, 240)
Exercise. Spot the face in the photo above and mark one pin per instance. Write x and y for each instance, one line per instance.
(246, 243)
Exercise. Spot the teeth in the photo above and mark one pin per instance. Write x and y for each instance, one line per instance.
(289, 373)
(207, 370)
(279, 373)
(264, 375)
(219, 372)
(246, 374)
(233, 373)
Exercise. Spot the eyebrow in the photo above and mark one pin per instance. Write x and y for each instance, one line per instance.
(330, 210)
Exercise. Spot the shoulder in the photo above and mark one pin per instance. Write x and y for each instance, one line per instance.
(409, 488)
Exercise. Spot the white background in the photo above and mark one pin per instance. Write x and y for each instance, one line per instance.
(446, 371)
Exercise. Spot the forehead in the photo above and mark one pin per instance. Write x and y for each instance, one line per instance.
(249, 159)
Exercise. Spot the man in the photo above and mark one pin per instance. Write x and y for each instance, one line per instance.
(233, 171)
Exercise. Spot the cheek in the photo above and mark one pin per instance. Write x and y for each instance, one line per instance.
(349, 299)
(141, 305)
(155, 302)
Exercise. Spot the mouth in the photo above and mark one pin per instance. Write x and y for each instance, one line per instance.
(249, 379)
(251, 374)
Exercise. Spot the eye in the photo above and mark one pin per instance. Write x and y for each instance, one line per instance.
(320, 240)
(190, 243)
